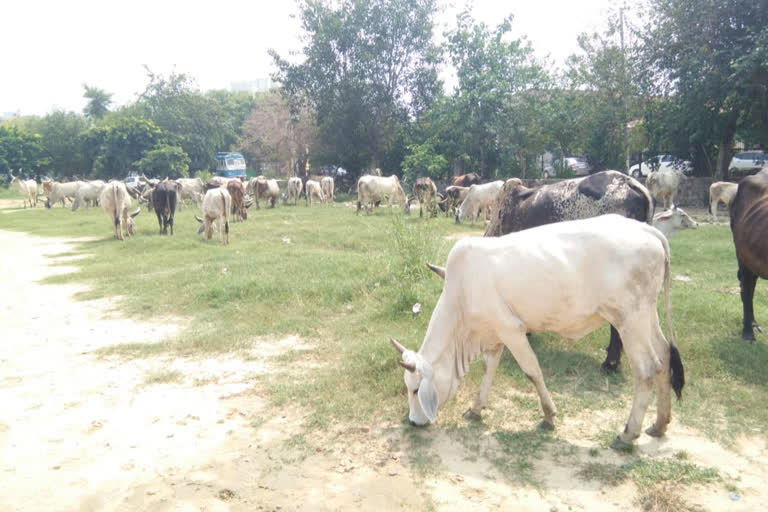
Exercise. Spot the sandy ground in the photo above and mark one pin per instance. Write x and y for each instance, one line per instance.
(83, 432)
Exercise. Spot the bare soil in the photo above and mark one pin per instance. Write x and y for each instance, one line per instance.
(83, 432)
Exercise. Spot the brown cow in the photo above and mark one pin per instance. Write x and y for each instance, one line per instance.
(239, 204)
(466, 180)
(749, 225)
(425, 191)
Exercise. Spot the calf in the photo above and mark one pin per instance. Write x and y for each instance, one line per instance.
(217, 204)
(454, 196)
(115, 201)
(749, 225)
(27, 188)
(673, 220)
(479, 199)
(313, 189)
(569, 278)
(239, 203)
(294, 189)
(327, 185)
(165, 196)
(720, 191)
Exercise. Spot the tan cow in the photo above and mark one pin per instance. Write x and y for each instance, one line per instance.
(720, 192)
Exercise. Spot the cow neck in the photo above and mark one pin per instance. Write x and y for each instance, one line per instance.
(444, 346)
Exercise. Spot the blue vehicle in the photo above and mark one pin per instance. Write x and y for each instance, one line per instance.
(230, 165)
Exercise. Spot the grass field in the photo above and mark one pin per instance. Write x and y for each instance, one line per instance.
(347, 283)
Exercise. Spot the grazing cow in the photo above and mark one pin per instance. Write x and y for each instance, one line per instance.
(240, 204)
(63, 191)
(479, 199)
(88, 194)
(569, 278)
(466, 180)
(116, 202)
(313, 189)
(673, 220)
(720, 191)
(327, 184)
(454, 196)
(425, 191)
(262, 188)
(518, 207)
(293, 190)
(191, 190)
(216, 182)
(373, 189)
(146, 197)
(217, 204)
(27, 188)
(663, 185)
(749, 225)
(165, 196)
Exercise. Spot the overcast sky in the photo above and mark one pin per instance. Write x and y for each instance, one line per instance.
(52, 47)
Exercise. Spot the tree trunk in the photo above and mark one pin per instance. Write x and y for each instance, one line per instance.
(724, 156)
(521, 158)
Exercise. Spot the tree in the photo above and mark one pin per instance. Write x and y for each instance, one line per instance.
(19, 149)
(98, 102)
(369, 67)
(709, 58)
(164, 162)
(423, 160)
(61, 134)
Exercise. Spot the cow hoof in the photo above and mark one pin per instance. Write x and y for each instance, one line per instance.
(654, 432)
(472, 415)
(545, 426)
(621, 446)
(609, 366)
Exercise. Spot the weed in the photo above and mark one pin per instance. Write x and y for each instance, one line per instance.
(162, 377)
(607, 474)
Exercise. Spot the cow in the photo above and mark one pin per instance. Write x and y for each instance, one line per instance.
(152, 182)
(191, 190)
(165, 196)
(216, 182)
(663, 185)
(313, 189)
(240, 204)
(518, 207)
(146, 197)
(425, 191)
(115, 201)
(749, 226)
(569, 278)
(466, 180)
(327, 185)
(262, 188)
(373, 189)
(673, 220)
(88, 194)
(720, 191)
(217, 204)
(454, 196)
(479, 199)
(63, 191)
(293, 190)
(27, 188)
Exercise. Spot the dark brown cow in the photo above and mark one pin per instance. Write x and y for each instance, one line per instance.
(239, 204)
(749, 225)
(164, 198)
(466, 180)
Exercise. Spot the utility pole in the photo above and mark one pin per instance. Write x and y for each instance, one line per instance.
(625, 130)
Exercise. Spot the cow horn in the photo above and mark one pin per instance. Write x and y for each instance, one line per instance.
(134, 214)
(437, 270)
(397, 345)
(411, 367)
(198, 219)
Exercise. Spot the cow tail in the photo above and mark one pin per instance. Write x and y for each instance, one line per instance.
(676, 370)
(226, 213)
(116, 209)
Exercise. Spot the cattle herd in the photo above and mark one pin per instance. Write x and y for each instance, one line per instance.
(564, 257)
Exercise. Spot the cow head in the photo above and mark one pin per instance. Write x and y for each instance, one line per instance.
(422, 394)
(131, 228)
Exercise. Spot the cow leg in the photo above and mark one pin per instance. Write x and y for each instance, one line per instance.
(159, 221)
(613, 353)
(747, 280)
(663, 387)
(713, 209)
(517, 343)
(491, 359)
(170, 222)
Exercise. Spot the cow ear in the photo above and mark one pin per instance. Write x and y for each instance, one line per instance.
(428, 398)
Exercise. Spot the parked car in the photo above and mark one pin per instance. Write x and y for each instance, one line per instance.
(134, 180)
(659, 162)
(572, 165)
(748, 162)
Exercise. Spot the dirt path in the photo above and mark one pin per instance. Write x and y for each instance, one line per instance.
(79, 432)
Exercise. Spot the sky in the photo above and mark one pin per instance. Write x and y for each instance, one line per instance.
(52, 47)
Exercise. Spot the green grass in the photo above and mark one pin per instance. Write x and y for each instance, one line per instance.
(347, 283)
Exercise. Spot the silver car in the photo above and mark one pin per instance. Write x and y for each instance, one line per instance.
(748, 162)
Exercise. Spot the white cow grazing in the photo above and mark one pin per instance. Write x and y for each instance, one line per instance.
(663, 185)
(217, 204)
(88, 194)
(720, 191)
(62, 191)
(478, 200)
(116, 202)
(294, 189)
(567, 277)
(263, 188)
(673, 220)
(191, 190)
(372, 189)
(314, 190)
(27, 189)
(326, 183)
